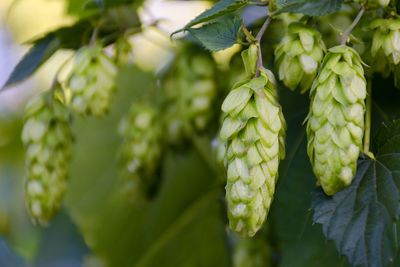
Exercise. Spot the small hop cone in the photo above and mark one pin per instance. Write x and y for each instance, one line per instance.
(141, 149)
(336, 118)
(190, 91)
(382, 3)
(385, 48)
(298, 56)
(47, 139)
(254, 132)
(91, 81)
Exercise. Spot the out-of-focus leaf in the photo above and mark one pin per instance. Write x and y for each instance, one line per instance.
(182, 226)
(218, 35)
(41, 51)
(116, 22)
(309, 7)
(362, 219)
(220, 9)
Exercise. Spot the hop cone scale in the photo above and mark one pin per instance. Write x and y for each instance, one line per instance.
(336, 118)
(254, 131)
(141, 148)
(91, 81)
(298, 56)
(47, 139)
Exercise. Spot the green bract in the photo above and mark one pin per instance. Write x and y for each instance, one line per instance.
(141, 149)
(254, 131)
(336, 118)
(298, 56)
(92, 81)
(385, 48)
(190, 92)
(47, 139)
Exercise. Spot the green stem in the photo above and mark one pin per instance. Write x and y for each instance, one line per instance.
(347, 32)
(258, 40)
(367, 132)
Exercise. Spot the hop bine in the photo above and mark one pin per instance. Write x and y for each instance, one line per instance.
(254, 131)
(141, 149)
(298, 56)
(336, 118)
(47, 139)
(385, 47)
(92, 81)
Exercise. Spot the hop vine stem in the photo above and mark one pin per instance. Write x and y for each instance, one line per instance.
(258, 40)
(347, 32)
(367, 133)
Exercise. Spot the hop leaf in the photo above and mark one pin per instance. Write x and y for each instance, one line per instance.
(47, 139)
(140, 150)
(254, 132)
(298, 56)
(91, 82)
(336, 118)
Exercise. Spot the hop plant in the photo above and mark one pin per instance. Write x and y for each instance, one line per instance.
(254, 131)
(298, 56)
(141, 148)
(47, 139)
(385, 48)
(336, 118)
(91, 81)
(190, 92)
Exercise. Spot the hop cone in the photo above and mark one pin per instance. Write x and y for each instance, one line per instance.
(92, 81)
(298, 56)
(47, 139)
(385, 47)
(254, 131)
(251, 253)
(336, 118)
(141, 149)
(190, 92)
(382, 3)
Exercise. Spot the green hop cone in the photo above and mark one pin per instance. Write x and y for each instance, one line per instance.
(190, 92)
(47, 139)
(298, 56)
(254, 132)
(91, 81)
(385, 48)
(140, 150)
(336, 118)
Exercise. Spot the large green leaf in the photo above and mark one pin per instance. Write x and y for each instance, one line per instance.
(309, 7)
(218, 35)
(362, 219)
(220, 9)
(184, 225)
